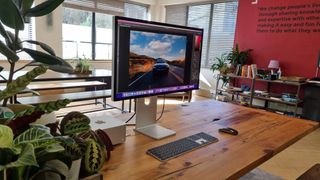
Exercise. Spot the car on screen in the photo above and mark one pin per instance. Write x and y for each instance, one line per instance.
(160, 67)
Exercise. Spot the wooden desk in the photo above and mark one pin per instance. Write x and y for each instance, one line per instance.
(262, 135)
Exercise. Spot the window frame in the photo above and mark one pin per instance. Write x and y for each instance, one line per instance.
(211, 3)
(94, 29)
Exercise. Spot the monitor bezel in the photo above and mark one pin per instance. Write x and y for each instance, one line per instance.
(115, 58)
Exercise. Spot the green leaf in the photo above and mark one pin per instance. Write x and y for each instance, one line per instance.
(4, 34)
(21, 82)
(43, 8)
(15, 44)
(6, 136)
(38, 137)
(10, 15)
(43, 57)
(43, 46)
(11, 55)
(53, 148)
(26, 158)
(26, 5)
(51, 169)
(65, 67)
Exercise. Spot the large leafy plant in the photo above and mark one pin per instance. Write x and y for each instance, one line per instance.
(34, 150)
(32, 153)
(14, 14)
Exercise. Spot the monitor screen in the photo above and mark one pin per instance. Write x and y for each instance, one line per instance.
(153, 58)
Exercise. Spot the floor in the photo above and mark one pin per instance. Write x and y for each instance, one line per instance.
(289, 164)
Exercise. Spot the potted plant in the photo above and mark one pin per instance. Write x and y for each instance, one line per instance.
(92, 147)
(222, 65)
(33, 152)
(83, 66)
(239, 57)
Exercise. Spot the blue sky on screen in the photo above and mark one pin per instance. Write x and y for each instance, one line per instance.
(157, 45)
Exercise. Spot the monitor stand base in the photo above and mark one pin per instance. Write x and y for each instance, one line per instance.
(146, 123)
(155, 131)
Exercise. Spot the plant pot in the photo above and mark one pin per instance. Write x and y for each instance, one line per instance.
(74, 171)
(46, 119)
(96, 176)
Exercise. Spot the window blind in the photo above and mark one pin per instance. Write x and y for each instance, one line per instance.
(218, 21)
(176, 14)
(136, 11)
(199, 16)
(112, 7)
(222, 30)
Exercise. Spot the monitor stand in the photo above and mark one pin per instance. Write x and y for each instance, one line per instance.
(146, 114)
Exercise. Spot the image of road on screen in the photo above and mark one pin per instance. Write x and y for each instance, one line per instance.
(156, 60)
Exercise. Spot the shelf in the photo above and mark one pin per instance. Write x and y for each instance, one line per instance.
(282, 82)
(270, 97)
(277, 101)
(235, 76)
(265, 80)
(260, 97)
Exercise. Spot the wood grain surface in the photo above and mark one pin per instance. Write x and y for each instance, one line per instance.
(261, 136)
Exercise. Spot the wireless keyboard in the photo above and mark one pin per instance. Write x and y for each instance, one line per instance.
(181, 146)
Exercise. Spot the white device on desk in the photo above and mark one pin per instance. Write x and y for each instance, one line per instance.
(115, 128)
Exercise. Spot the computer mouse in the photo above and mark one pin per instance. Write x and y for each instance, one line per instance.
(229, 131)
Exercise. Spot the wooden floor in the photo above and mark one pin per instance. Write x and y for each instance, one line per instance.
(289, 164)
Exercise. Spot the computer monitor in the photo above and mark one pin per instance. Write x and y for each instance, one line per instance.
(150, 59)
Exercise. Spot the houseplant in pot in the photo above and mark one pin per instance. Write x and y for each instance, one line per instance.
(222, 65)
(30, 150)
(83, 66)
(92, 147)
(239, 58)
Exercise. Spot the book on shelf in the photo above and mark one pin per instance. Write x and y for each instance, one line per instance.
(254, 70)
(244, 70)
(249, 71)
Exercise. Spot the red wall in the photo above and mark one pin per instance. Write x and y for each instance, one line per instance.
(297, 51)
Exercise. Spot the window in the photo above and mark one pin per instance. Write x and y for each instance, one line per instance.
(27, 34)
(76, 33)
(218, 21)
(87, 27)
(136, 11)
(199, 16)
(177, 14)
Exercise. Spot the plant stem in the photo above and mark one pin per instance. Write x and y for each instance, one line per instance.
(11, 73)
(12, 65)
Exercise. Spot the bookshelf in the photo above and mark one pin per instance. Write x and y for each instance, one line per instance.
(270, 97)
